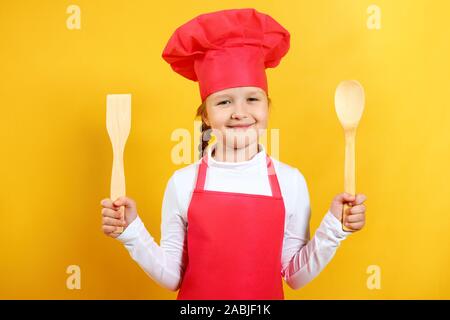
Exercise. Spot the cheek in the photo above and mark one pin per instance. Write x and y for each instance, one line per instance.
(261, 116)
(218, 118)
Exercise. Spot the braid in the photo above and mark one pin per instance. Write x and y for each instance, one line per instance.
(205, 130)
(204, 138)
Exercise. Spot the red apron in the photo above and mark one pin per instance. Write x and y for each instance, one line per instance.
(234, 243)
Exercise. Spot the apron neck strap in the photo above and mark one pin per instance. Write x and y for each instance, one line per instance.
(274, 185)
(201, 176)
(273, 180)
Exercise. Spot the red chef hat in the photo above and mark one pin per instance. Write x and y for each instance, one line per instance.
(227, 49)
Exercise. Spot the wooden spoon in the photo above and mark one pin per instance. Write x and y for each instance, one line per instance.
(118, 123)
(349, 105)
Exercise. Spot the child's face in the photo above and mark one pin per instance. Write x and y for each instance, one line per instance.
(237, 115)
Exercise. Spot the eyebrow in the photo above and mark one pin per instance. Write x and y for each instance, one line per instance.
(225, 95)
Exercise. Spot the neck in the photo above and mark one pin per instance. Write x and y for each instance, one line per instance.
(224, 153)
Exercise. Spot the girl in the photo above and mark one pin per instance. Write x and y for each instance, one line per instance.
(235, 222)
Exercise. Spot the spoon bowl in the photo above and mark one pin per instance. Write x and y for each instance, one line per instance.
(349, 103)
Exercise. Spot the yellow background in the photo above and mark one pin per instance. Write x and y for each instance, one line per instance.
(56, 154)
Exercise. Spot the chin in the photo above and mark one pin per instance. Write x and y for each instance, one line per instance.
(240, 143)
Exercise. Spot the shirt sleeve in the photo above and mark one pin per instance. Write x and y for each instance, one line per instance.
(304, 258)
(163, 263)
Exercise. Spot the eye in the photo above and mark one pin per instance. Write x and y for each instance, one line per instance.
(223, 102)
(253, 99)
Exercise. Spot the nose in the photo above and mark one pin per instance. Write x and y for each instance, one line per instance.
(239, 112)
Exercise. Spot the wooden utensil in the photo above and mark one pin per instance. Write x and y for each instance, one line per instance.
(349, 104)
(118, 124)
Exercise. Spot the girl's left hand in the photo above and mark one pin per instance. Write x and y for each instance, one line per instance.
(356, 217)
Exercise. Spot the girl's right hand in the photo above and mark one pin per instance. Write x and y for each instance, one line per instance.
(111, 215)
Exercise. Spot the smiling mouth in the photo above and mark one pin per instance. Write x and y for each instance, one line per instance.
(241, 126)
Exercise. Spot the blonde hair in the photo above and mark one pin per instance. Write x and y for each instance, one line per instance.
(205, 130)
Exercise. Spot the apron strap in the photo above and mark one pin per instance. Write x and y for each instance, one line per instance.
(201, 175)
(274, 185)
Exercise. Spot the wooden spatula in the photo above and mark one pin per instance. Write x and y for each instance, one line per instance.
(349, 104)
(118, 123)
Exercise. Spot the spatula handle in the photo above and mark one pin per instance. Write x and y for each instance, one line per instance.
(349, 171)
(118, 183)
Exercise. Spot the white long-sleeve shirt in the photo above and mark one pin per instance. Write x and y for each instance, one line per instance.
(302, 258)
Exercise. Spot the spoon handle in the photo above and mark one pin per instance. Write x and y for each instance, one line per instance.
(349, 171)
(118, 183)
(118, 124)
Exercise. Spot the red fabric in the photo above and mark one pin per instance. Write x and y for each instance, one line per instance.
(226, 49)
(234, 243)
